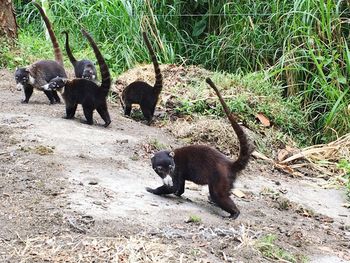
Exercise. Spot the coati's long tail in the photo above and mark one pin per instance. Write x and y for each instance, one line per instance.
(245, 149)
(158, 85)
(106, 77)
(68, 50)
(56, 47)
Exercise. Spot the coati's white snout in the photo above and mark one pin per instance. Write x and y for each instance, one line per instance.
(19, 86)
(167, 180)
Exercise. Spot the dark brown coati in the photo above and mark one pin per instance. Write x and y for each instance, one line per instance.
(85, 92)
(203, 165)
(82, 68)
(41, 72)
(142, 93)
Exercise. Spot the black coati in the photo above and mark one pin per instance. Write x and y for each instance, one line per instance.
(142, 93)
(82, 68)
(203, 165)
(41, 72)
(85, 92)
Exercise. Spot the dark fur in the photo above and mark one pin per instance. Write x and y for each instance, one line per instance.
(204, 165)
(82, 68)
(86, 92)
(142, 93)
(41, 72)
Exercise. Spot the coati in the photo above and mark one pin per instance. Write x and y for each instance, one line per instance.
(203, 165)
(85, 92)
(41, 72)
(142, 93)
(82, 68)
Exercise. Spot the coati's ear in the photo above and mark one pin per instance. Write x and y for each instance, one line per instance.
(26, 69)
(65, 81)
(172, 154)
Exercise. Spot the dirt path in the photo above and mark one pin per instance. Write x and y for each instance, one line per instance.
(76, 193)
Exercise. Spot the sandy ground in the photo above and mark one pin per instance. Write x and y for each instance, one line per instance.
(70, 192)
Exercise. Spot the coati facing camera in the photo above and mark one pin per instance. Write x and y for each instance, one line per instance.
(85, 92)
(41, 72)
(83, 68)
(142, 93)
(203, 165)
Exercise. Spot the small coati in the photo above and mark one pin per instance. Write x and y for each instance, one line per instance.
(203, 165)
(82, 68)
(142, 93)
(41, 72)
(85, 92)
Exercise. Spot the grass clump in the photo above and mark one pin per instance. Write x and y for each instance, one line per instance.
(345, 166)
(194, 219)
(247, 95)
(267, 246)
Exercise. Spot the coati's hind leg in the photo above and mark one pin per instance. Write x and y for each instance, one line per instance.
(49, 95)
(127, 108)
(103, 111)
(223, 200)
(28, 91)
(70, 111)
(88, 111)
(56, 97)
(147, 112)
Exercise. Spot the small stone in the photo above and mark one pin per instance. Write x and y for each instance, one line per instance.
(93, 182)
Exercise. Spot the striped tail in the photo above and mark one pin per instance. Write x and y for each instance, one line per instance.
(56, 47)
(106, 77)
(245, 149)
(158, 85)
(68, 50)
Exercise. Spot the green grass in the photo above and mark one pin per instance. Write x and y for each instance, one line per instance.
(270, 250)
(194, 219)
(248, 95)
(345, 165)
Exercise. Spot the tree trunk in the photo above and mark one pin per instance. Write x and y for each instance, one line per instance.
(8, 24)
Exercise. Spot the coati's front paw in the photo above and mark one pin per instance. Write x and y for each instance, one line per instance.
(150, 190)
(177, 193)
(24, 101)
(106, 124)
(235, 215)
(87, 122)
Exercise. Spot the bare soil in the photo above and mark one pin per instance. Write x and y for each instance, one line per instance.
(70, 192)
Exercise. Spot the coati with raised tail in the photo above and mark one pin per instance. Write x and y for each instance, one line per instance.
(40, 73)
(82, 68)
(203, 165)
(140, 92)
(85, 92)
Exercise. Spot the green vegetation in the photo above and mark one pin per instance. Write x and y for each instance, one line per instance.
(248, 95)
(345, 165)
(266, 245)
(194, 219)
(301, 44)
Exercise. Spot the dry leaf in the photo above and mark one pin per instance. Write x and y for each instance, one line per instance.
(263, 119)
(238, 193)
(282, 154)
